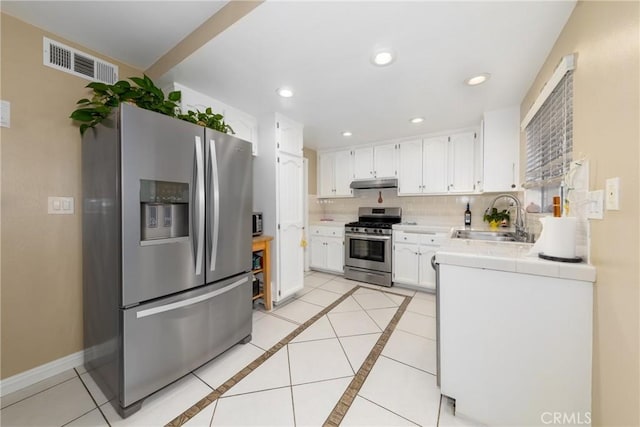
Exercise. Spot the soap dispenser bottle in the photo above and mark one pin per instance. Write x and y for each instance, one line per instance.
(467, 217)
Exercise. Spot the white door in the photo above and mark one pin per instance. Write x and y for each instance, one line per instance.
(288, 136)
(343, 172)
(405, 263)
(426, 272)
(326, 174)
(435, 165)
(318, 252)
(384, 161)
(290, 253)
(363, 163)
(335, 254)
(410, 167)
(462, 162)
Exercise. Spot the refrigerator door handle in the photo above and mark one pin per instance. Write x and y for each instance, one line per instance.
(215, 189)
(199, 200)
(190, 301)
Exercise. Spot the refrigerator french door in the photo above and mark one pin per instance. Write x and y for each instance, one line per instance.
(167, 250)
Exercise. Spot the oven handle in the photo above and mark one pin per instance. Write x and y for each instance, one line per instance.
(367, 236)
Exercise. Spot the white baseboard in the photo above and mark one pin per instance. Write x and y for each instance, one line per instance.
(39, 373)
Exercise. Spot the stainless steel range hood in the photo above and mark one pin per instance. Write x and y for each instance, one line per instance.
(375, 183)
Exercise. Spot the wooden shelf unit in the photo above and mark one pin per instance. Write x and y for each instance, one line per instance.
(263, 244)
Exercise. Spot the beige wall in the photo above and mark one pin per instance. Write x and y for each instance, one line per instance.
(312, 156)
(606, 89)
(41, 254)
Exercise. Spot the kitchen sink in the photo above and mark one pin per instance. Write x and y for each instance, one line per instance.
(494, 236)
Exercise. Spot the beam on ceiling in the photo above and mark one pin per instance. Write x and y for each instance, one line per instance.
(223, 19)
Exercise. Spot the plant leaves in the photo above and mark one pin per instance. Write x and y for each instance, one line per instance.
(82, 115)
(98, 87)
(175, 96)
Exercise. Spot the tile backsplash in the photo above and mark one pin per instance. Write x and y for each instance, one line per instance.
(433, 210)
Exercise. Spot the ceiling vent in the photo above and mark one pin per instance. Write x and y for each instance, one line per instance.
(62, 57)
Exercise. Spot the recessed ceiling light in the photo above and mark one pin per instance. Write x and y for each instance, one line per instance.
(417, 120)
(479, 79)
(284, 92)
(346, 133)
(383, 57)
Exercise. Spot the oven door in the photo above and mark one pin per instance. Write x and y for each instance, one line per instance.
(368, 251)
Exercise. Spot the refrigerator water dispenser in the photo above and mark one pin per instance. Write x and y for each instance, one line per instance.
(164, 210)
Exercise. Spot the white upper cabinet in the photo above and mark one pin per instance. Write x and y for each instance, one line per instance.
(335, 173)
(244, 125)
(363, 163)
(343, 173)
(288, 136)
(462, 162)
(501, 140)
(375, 162)
(438, 165)
(384, 161)
(434, 174)
(410, 167)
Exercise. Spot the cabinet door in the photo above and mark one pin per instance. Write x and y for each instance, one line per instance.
(461, 162)
(434, 172)
(384, 161)
(501, 150)
(410, 167)
(427, 275)
(405, 263)
(318, 252)
(335, 254)
(326, 172)
(363, 163)
(244, 126)
(288, 136)
(343, 173)
(290, 253)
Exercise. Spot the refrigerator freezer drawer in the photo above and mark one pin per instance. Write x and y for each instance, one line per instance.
(168, 338)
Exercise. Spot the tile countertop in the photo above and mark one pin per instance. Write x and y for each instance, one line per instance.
(328, 223)
(422, 228)
(509, 256)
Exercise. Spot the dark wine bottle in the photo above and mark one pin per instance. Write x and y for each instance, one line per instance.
(467, 217)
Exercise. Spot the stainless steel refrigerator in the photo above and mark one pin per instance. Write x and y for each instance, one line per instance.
(166, 250)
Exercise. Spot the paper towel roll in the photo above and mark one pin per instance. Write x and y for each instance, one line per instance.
(560, 236)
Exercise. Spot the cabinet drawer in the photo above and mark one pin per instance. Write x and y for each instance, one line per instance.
(327, 231)
(402, 237)
(432, 239)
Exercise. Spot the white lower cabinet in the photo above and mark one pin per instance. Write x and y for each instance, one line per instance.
(327, 248)
(412, 253)
(515, 348)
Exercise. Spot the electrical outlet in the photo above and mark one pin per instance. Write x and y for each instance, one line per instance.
(595, 207)
(612, 188)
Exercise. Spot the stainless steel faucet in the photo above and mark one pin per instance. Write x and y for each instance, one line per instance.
(521, 232)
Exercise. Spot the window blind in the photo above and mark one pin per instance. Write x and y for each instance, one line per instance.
(549, 137)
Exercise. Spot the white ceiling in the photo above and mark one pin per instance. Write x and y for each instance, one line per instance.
(322, 50)
(134, 32)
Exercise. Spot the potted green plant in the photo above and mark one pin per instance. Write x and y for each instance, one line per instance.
(497, 218)
(144, 94)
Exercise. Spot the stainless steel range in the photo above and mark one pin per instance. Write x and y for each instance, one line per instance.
(368, 245)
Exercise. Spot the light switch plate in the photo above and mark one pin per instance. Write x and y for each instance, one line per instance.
(595, 206)
(5, 114)
(612, 194)
(60, 205)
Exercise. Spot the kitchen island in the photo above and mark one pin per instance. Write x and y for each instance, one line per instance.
(515, 334)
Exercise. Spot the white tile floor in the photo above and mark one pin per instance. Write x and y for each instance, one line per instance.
(299, 385)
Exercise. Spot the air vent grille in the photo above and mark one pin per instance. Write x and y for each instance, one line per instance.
(72, 61)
